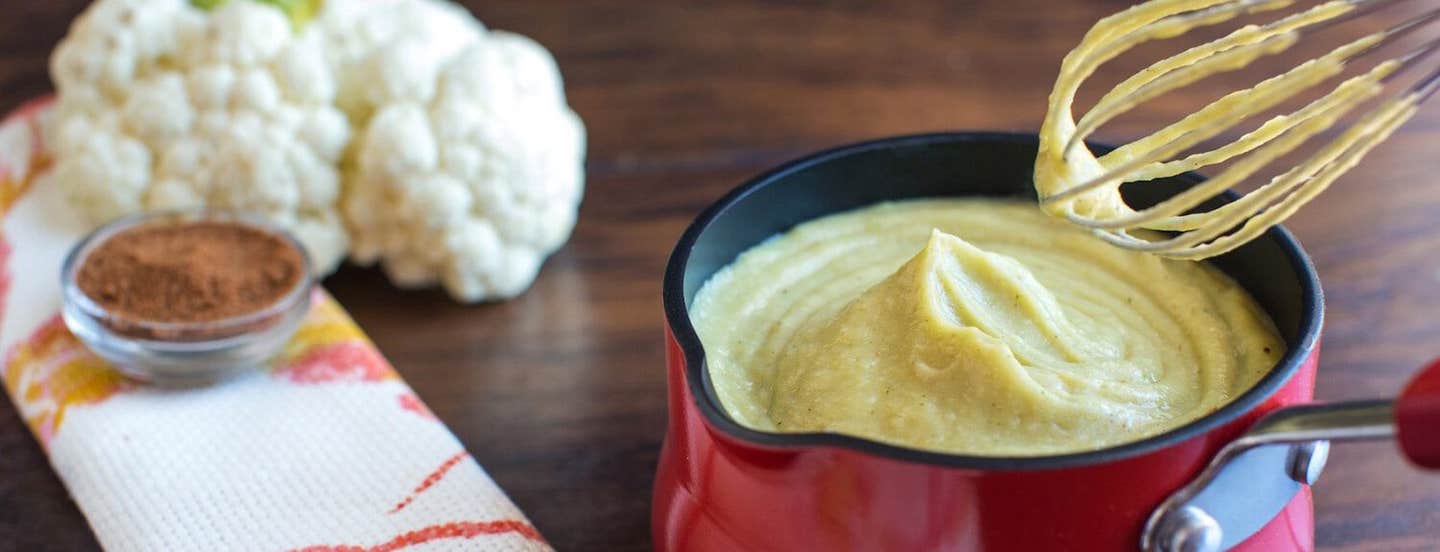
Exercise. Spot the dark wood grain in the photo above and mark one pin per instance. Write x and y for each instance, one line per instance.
(560, 393)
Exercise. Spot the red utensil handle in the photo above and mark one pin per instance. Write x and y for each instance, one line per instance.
(1417, 418)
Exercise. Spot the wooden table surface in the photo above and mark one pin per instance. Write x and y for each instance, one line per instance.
(559, 394)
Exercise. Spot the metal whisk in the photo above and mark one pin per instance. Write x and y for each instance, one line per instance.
(1074, 183)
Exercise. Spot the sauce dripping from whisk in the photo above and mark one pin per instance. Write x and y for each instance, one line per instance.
(1075, 184)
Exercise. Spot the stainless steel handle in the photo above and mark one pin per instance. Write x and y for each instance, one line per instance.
(1346, 421)
(1254, 477)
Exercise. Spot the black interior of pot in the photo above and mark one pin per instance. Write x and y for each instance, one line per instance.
(1273, 268)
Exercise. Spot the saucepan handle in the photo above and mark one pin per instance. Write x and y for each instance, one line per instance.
(1289, 446)
(1417, 418)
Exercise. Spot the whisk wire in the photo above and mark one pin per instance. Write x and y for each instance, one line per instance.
(1215, 231)
(1286, 134)
(1212, 119)
(1355, 144)
(1232, 52)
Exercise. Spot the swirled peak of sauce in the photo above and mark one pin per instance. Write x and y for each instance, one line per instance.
(977, 327)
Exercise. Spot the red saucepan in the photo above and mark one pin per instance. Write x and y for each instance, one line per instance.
(1236, 479)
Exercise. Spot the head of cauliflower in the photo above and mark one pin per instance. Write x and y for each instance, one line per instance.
(163, 105)
(465, 168)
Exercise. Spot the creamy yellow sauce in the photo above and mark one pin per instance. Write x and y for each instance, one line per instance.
(1081, 187)
(974, 326)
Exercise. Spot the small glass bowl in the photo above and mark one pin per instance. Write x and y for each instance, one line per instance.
(228, 346)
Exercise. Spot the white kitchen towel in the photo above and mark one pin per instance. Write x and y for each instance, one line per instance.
(326, 449)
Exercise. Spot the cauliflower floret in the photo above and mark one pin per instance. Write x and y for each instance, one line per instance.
(389, 51)
(99, 155)
(115, 40)
(163, 105)
(238, 33)
(473, 188)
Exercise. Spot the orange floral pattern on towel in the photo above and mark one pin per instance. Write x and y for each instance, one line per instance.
(25, 157)
(52, 371)
(452, 530)
(329, 347)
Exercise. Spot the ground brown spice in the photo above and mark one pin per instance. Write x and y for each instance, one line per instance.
(190, 271)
